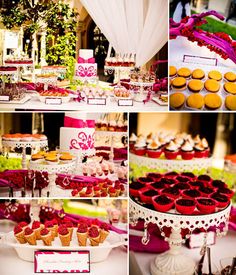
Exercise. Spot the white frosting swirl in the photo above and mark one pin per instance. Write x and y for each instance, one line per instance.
(205, 143)
(199, 147)
(197, 139)
(172, 146)
(140, 143)
(133, 137)
(153, 145)
(187, 147)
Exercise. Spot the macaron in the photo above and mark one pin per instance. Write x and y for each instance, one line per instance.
(230, 102)
(212, 101)
(230, 87)
(195, 85)
(184, 72)
(177, 100)
(172, 71)
(212, 86)
(195, 101)
(215, 75)
(230, 76)
(198, 74)
(179, 83)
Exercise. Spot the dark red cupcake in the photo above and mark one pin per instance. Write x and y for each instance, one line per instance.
(218, 184)
(134, 187)
(207, 179)
(154, 176)
(185, 206)
(162, 203)
(182, 186)
(172, 174)
(171, 192)
(158, 185)
(227, 192)
(145, 180)
(206, 191)
(146, 195)
(188, 174)
(191, 194)
(221, 200)
(206, 205)
(182, 179)
(197, 184)
(168, 181)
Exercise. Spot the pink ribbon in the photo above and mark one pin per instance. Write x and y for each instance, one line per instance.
(78, 123)
(90, 60)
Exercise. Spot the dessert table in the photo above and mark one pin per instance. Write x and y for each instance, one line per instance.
(224, 247)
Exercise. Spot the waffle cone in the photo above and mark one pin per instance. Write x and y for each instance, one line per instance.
(65, 239)
(95, 241)
(21, 237)
(82, 238)
(31, 239)
(47, 239)
(118, 192)
(103, 235)
(55, 228)
(53, 233)
(70, 229)
(37, 233)
(112, 195)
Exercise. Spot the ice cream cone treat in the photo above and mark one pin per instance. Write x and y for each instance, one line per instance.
(94, 236)
(89, 192)
(37, 227)
(104, 187)
(96, 223)
(97, 191)
(55, 226)
(23, 225)
(30, 236)
(19, 234)
(82, 234)
(117, 188)
(112, 192)
(46, 237)
(50, 226)
(70, 227)
(104, 232)
(64, 235)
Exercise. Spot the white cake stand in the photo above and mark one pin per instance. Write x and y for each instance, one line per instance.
(172, 262)
(24, 145)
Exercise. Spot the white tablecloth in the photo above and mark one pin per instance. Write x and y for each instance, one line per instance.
(224, 247)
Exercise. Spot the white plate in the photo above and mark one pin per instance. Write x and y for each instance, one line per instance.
(97, 253)
(64, 99)
(160, 102)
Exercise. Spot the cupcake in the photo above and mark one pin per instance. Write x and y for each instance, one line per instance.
(64, 235)
(82, 234)
(206, 205)
(187, 152)
(221, 200)
(191, 194)
(218, 184)
(198, 74)
(146, 195)
(104, 232)
(230, 76)
(120, 126)
(154, 176)
(226, 191)
(19, 234)
(206, 191)
(112, 126)
(185, 206)
(94, 236)
(154, 149)
(162, 203)
(46, 237)
(171, 192)
(37, 227)
(30, 236)
(177, 100)
(158, 185)
(132, 140)
(206, 147)
(134, 188)
(140, 147)
(145, 180)
(199, 150)
(171, 151)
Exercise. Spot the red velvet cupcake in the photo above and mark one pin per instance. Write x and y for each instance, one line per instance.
(158, 185)
(154, 150)
(134, 188)
(191, 194)
(186, 151)
(189, 175)
(171, 192)
(221, 200)
(140, 147)
(145, 180)
(199, 151)
(218, 184)
(185, 206)
(206, 205)
(227, 192)
(146, 195)
(154, 176)
(197, 184)
(171, 150)
(162, 203)
(206, 191)
(172, 174)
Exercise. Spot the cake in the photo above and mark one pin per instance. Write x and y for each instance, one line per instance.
(77, 136)
(86, 67)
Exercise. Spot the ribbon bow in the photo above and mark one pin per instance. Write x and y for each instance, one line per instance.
(90, 60)
(78, 123)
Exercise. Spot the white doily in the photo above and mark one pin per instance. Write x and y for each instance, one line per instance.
(24, 144)
(54, 168)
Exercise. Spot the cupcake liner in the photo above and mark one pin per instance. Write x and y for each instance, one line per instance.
(206, 209)
(154, 153)
(161, 207)
(139, 152)
(171, 155)
(144, 198)
(199, 154)
(187, 155)
(184, 209)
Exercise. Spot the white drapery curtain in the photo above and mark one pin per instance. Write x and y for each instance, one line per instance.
(132, 26)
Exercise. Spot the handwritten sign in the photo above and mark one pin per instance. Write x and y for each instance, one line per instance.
(125, 102)
(200, 60)
(62, 262)
(96, 101)
(53, 101)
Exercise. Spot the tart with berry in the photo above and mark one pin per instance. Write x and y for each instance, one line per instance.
(162, 203)
(206, 205)
(185, 206)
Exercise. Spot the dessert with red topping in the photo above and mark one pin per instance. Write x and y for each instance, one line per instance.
(94, 236)
(50, 226)
(112, 192)
(134, 187)
(64, 235)
(46, 237)
(30, 236)
(171, 192)
(146, 195)
(23, 225)
(162, 203)
(70, 227)
(104, 232)
(19, 234)
(37, 227)
(185, 206)
(82, 234)
(206, 205)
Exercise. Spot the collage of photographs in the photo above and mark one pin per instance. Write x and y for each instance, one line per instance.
(117, 137)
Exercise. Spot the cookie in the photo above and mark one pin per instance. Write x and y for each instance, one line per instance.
(230, 76)
(184, 72)
(215, 75)
(172, 71)
(179, 83)
(212, 101)
(177, 100)
(195, 101)
(195, 85)
(230, 87)
(211, 85)
(198, 74)
(230, 102)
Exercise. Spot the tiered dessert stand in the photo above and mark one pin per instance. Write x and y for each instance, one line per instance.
(46, 80)
(108, 70)
(173, 262)
(112, 137)
(19, 66)
(23, 145)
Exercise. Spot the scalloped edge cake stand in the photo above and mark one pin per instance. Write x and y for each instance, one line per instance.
(24, 145)
(171, 165)
(173, 262)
